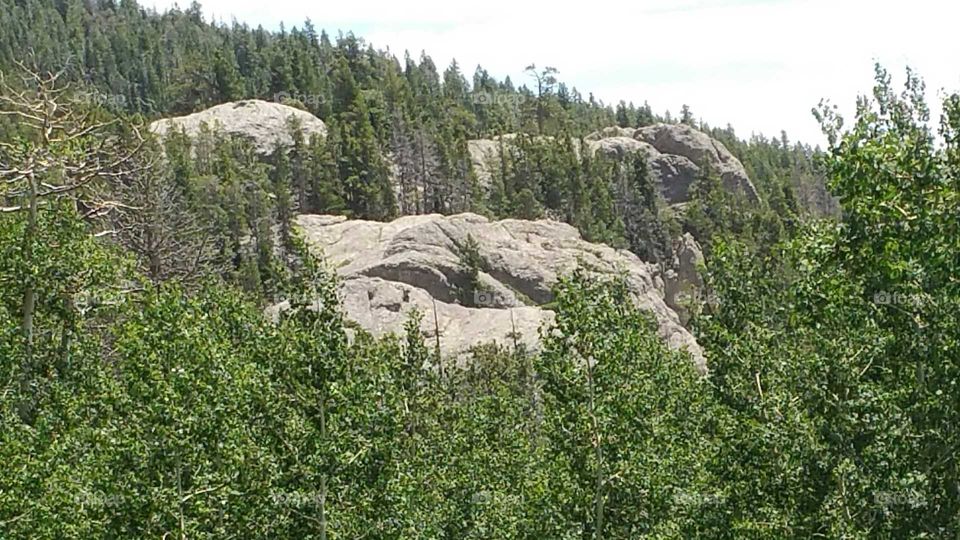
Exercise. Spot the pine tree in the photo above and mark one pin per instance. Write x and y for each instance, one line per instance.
(299, 167)
(623, 116)
(226, 77)
(686, 116)
(641, 206)
(546, 79)
(645, 116)
(365, 179)
(326, 194)
(280, 180)
(158, 224)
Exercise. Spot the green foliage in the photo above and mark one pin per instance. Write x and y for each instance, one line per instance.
(836, 359)
(140, 410)
(193, 415)
(626, 467)
(648, 221)
(715, 213)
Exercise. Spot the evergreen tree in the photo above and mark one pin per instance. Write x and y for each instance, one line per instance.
(623, 116)
(686, 116)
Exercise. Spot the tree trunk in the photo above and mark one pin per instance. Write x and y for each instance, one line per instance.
(323, 479)
(29, 305)
(598, 455)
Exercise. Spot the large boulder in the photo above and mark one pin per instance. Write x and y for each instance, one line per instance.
(675, 174)
(620, 146)
(414, 262)
(702, 150)
(263, 123)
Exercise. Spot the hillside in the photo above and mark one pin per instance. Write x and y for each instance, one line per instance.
(262, 284)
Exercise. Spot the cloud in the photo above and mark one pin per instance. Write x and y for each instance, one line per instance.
(759, 65)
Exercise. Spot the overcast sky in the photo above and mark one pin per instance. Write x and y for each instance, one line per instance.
(759, 65)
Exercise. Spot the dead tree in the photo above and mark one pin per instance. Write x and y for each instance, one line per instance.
(155, 223)
(60, 152)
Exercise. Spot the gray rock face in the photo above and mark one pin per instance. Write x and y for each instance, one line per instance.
(701, 150)
(676, 174)
(262, 122)
(620, 147)
(389, 269)
(484, 156)
(675, 153)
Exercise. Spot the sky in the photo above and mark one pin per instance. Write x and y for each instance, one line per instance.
(759, 65)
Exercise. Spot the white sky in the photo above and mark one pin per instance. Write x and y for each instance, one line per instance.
(759, 65)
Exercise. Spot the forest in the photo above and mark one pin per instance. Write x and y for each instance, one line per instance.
(144, 394)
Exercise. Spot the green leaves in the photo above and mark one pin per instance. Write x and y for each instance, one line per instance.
(833, 359)
(626, 416)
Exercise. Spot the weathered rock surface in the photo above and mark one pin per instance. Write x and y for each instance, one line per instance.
(701, 150)
(675, 152)
(262, 122)
(388, 269)
(620, 147)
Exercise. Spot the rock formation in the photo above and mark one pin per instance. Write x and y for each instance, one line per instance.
(388, 269)
(676, 154)
(414, 262)
(264, 123)
(700, 150)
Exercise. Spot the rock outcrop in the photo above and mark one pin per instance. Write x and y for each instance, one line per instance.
(264, 123)
(484, 157)
(701, 150)
(388, 269)
(676, 154)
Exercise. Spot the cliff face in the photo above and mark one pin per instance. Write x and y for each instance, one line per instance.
(415, 262)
